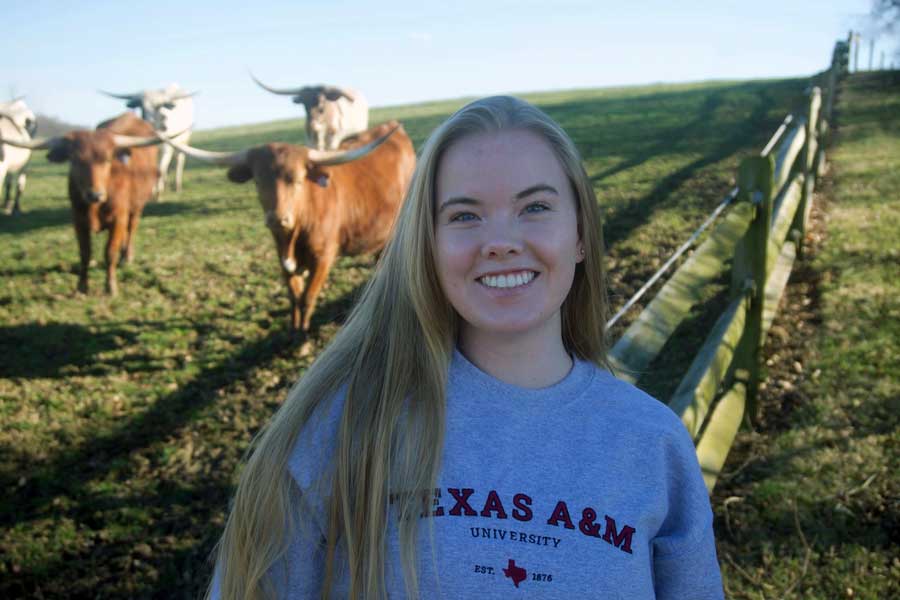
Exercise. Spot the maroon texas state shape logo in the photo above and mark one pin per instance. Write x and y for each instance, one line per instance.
(517, 574)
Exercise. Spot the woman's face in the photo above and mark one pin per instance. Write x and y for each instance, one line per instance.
(506, 233)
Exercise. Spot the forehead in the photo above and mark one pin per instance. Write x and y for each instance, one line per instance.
(499, 162)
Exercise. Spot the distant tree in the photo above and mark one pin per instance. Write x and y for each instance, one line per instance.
(48, 126)
(885, 20)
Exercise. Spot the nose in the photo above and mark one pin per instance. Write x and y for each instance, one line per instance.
(501, 243)
(95, 196)
(283, 221)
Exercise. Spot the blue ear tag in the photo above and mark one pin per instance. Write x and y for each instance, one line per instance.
(124, 158)
(322, 180)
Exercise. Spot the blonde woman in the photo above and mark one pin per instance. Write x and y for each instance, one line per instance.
(461, 437)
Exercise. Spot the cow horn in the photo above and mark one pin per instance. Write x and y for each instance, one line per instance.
(121, 96)
(283, 91)
(130, 141)
(225, 159)
(35, 144)
(330, 158)
(184, 95)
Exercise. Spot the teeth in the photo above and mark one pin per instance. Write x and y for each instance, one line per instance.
(508, 280)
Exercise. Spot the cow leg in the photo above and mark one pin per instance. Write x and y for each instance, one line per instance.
(7, 184)
(165, 160)
(179, 171)
(114, 243)
(318, 273)
(127, 252)
(296, 283)
(83, 234)
(20, 187)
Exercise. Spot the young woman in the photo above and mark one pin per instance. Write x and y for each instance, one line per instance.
(462, 437)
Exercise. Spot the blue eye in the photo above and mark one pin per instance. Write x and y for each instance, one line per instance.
(536, 207)
(462, 217)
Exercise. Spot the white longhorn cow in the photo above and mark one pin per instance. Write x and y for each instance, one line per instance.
(17, 122)
(332, 113)
(169, 110)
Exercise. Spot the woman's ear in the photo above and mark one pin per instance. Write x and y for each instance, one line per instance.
(579, 251)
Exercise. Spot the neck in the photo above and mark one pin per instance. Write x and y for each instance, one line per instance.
(529, 360)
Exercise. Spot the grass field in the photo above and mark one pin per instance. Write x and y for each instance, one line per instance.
(122, 420)
(810, 505)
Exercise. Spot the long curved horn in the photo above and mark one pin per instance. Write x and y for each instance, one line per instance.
(36, 144)
(282, 91)
(184, 95)
(330, 158)
(121, 96)
(130, 141)
(225, 159)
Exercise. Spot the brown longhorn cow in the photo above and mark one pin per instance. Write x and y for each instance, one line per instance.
(321, 204)
(112, 170)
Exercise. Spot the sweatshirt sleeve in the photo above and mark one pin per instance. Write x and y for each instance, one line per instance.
(298, 574)
(684, 551)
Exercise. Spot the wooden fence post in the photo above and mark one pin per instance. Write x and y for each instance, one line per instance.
(810, 148)
(755, 183)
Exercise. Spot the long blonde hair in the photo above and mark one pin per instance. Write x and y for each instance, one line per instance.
(392, 355)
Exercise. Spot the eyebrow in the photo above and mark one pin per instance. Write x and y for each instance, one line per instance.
(467, 201)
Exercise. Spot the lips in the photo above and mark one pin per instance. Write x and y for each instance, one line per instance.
(508, 280)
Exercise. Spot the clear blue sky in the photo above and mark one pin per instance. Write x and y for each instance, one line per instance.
(58, 53)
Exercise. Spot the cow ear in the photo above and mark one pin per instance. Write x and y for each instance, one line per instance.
(241, 173)
(315, 174)
(60, 151)
(123, 155)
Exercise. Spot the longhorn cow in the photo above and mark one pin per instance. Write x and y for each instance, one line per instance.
(112, 171)
(332, 113)
(17, 122)
(320, 204)
(169, 110)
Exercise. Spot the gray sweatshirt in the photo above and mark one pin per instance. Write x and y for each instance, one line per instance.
(588, 488)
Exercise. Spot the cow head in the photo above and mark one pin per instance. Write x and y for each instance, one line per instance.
(154, 105)
(285, 176)
(91, 156)
(21, 116)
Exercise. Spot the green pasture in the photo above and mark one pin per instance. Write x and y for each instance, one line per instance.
(809, 506)
(122, 421)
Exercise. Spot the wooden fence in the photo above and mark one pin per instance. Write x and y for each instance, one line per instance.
(759, 238)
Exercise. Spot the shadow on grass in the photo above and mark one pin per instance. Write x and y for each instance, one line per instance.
(34, 219)
(71, 472)
(34, 350)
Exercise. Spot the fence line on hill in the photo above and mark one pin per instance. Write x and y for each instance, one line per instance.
(761, 236)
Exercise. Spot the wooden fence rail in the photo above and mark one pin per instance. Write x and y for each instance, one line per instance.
(759, 237)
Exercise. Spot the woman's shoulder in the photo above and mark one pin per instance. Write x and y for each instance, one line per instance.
(626, 403)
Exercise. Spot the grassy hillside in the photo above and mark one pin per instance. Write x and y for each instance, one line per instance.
(122, 420)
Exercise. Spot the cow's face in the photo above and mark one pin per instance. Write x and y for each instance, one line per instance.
(90, 155)
(284, 179)
(154, 106)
